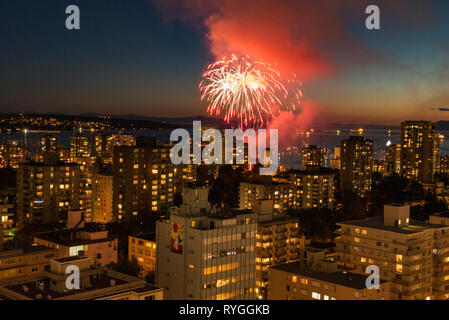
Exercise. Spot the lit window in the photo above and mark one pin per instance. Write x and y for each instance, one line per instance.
(316, 295)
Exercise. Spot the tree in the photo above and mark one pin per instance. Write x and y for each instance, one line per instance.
(131, 268)
(316, 223)
(177, 199)
(224, 192)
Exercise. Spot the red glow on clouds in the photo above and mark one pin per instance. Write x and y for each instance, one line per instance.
(287, 34)
(290, 125)
(295, 36)
(290, 35)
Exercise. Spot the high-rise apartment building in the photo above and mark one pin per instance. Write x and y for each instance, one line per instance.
(103, 144)
(312, 156)
(102, 197)
(336, 159)
(412, 255)
(12, 154)
(251, 193)
(206, 256)
(313, 187)
(296, 189)
(86, 171)
(79, 147)
(7, 215)
(444, 164)
(437, 153)
(144, 178)
(393, 158)
(356, 165)
(418, 148)
(279, 240)
(47, 190)
(48, 143)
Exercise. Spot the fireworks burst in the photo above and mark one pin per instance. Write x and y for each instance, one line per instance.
(239, 88)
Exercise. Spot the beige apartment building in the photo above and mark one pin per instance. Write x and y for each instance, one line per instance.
(440, 218)
(7, 215)
(143, 248)
(412, 255)
(102, 197)
(295, 281)
(24, 262)
(297, 189)
(81, 239)
(204, 255)
(278, 241)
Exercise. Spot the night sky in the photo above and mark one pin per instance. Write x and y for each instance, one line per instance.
(147, 57)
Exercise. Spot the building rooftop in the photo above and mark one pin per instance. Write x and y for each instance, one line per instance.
(71, 237)
(444, 214)
(146, 236)
(414, 226)
(104, 281)
(38, 288)
(68, 259)
(311, 170)
(228, 214)
(43, 164)
(276, 220)
(345, 279)
(26, 250)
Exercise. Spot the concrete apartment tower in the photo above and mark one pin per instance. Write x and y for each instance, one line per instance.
(412, 255)
(202, 255)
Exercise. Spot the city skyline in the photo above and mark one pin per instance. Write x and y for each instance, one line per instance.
(134, 161)
(147, 57)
